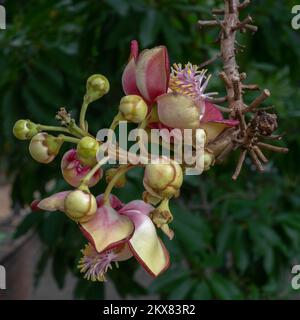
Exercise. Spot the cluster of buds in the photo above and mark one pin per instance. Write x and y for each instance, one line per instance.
(156, 97)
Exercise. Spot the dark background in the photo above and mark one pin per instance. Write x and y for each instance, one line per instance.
(232, 239)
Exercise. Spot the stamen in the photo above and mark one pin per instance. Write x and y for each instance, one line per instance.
(190, 81)
(95, 265)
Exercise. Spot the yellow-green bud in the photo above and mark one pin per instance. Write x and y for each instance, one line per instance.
(96, 86)
(80, 205)
(209, 160)
(163, 180)
(87, 149)
(109, 175)
(24, 129)
(133, 108)
(44, 148)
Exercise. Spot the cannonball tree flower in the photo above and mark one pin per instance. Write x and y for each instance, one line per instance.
(187, 105)
(147, 73)
(115, 232)
(74, 171)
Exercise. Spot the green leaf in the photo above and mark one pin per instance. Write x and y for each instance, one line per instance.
(182, 290)
(202, 292)
(223, 288)
(31, 221)
(223, 237)
(149, 28)
(168, 279)
(52, 228)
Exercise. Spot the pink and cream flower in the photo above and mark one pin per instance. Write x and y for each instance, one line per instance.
(116, 232)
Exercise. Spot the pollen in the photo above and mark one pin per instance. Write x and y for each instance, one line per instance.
(190, 80)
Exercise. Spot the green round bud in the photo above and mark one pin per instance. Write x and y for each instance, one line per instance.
(44, 148)
(24, 129)
(80, 205)
(163, 180)
(87, 149)
(133, 108)
(96, 86)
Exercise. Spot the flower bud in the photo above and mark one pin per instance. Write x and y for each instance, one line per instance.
(80, 205)
(162, 216)
(163, 180)
(43, 147)
(73, 171)
(96, 86)
(133, 108)
(179, 111)
(25, 129)
(209, 160)
(110, 173)
(87, 149)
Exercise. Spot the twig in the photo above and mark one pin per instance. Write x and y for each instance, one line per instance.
(258, 101)
(244, 5)
(239, 164)
(250, 87)
(209, 61)
(256, 161)
(272, 148)
(217, 100)
(251, 27)
(207, 23)
(260, 154)
(242, 24)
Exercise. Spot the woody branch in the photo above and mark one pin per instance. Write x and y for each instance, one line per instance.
(246, 136)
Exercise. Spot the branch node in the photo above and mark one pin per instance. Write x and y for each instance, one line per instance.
(242, 24)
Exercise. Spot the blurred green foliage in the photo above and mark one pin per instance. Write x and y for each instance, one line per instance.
(232, 239)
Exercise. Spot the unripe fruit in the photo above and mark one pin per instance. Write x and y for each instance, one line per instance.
(24, 129)
(96, 86)
(133, 108)
(163, 180)
(43, 147)
(87, 149)
(80, 205)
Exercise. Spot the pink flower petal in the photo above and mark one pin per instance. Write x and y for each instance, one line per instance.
(146, 246)
(213, 114)
(107, 229)
(129, 74)
(115, 202)
(134, 49)
(129, 79)
(54, 202)
(152, 73)
(137, 205)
